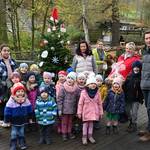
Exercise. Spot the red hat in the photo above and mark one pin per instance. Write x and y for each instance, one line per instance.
(62, 72)
(16, 87)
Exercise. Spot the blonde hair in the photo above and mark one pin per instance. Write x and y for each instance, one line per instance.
(34, 67)
(131, 46)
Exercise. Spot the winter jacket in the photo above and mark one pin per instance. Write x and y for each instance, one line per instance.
(132, 89)
(17, 114)
(103, 89)
(124, 66)
(90, 108)
(114, 103)
(45, 111)
(81, 64)
(145, 81)
(67, 101)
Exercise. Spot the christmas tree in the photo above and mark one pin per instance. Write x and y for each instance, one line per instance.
(55, 54)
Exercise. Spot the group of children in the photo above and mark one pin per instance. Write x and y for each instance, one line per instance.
(79, 99)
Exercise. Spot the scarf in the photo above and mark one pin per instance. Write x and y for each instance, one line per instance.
(91, 92)
(8, 66)
(69, 88)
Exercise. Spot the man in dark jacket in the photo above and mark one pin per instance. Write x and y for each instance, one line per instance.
(145, 82)
(7, 66)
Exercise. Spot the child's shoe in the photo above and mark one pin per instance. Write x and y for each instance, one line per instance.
(22, 144)
(41, 141)
(64, 137)
(48, 141)
(84, 140)
(92, 140)
(108, 131)
(71, 136)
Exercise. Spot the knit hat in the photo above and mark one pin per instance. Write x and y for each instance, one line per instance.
(137, 64)
(91, 74)
(15, 74)
(99, 77)
(16, 87)
(43, 89)
(23, 65)
(47, 74)
(62, 72)
(69, 70)
(117, 80)
(72, 75)
(91, 80)
(34, 67)
(30, 73)
(131, 46)
(81, 75)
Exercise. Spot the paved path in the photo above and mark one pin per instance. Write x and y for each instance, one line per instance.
(123, 141)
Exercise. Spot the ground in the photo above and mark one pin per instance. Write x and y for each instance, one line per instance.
(122, 141)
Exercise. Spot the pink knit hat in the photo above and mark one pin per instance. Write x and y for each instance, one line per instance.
(47, 74)
(118, 81)
(62, 72)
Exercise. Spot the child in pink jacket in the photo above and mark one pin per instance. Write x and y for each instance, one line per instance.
(89, 109)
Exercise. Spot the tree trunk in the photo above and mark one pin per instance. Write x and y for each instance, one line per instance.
(85, 23)
(18, 30)
(33, 29)
(3, 22)
(115, 23)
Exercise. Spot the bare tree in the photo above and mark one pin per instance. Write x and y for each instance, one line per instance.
(3, 22)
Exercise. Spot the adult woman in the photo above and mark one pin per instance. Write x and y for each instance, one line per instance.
(84, 60)
(124, 64)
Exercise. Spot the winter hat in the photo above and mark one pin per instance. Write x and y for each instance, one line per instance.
(23, 65)
(43, 89)
(91, 80)
(91, 74)
(30, 73)
(62, 72)
(47, 74)
(137, 64)
(69, 70)
(118, 81)
(131, 46)
(34, 67)
(15, 74)
(81, 75)
(16, 87)
(72, 75)
(99, 77)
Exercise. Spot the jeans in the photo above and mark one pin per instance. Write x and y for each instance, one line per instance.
(146, 94)
(17, 131)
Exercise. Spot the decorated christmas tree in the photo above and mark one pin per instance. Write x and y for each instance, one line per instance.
(55, 54)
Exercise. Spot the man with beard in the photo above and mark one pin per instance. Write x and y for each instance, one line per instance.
(145, 83)
(7, 66)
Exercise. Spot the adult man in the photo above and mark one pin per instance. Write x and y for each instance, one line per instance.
(145, 81)
(7, 66)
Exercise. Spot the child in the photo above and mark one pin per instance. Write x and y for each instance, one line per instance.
(81, 81)
(34, 68)
(18, 112)
(23, 69)
(102, 87)
(133, 95)
(45, 111)
(47, 82)
(89, 109)
(67, 101)
(61, 79)
(114, 104)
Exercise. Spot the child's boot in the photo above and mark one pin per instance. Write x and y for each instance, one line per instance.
(91, 139)
(108, 131)
(115, 129)
(71, 136)
(22, 143)
(13, 144)
(64, 137)
(84, 140)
